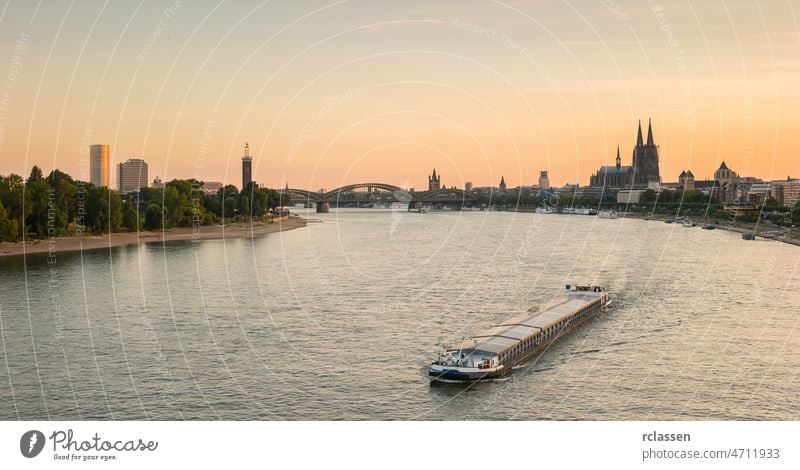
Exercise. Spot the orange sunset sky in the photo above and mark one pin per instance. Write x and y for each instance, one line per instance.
(330, 93)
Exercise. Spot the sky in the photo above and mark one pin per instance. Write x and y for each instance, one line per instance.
(332, 93)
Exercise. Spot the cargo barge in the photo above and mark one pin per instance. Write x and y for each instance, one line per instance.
(494, 352)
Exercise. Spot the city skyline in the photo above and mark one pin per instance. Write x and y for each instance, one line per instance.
(328, 94)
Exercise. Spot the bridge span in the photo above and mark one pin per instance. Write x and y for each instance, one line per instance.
(378, 194)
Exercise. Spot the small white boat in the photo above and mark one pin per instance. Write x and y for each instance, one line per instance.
(609, 214)
(579, 211)
(687, 223)
(545, 210)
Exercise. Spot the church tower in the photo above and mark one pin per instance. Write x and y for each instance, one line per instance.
(434, 182)
(247, 166)
(645, 158)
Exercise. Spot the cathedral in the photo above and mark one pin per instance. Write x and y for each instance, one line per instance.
(644, 168)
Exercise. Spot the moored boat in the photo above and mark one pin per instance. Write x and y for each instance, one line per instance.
(494, 352)
(579, 211)
(545, 210)
(607, 214)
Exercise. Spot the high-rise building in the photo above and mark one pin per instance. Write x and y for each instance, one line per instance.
(434, 182)
(99, 166)
(544, 180)
(247, 166)
(468, 186)
(132, 175)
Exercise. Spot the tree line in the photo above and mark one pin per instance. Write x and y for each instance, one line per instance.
(57, 205)
(691, 202)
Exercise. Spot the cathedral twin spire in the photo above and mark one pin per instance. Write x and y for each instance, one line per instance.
(639, 140)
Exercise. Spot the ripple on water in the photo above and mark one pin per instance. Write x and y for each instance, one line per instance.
(339, 320)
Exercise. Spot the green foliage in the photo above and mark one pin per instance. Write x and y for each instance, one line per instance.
(796, 214)
(40, 207)
(39, 211)
(772, 204)
(153, 217)
(8, 227)
(11, 193)
(130, 216)
(648, 197)
(103, 210)
(748, 218)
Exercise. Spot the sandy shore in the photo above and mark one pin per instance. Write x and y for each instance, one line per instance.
(204, 232)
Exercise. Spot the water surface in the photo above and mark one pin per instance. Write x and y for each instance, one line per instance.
(338, 320)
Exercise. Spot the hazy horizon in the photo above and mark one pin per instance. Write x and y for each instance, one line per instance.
(330, 93)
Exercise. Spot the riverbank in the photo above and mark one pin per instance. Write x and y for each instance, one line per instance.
(762, 230)
(203, 232)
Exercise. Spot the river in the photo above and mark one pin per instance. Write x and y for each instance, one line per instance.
(338, 320)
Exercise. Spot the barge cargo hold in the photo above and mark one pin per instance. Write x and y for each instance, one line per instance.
(493, 353)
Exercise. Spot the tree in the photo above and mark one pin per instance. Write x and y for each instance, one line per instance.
(36, 174)
(213, 205)
(103, 210)
(648, 197)
(64, 192)
(772, 204)
(11, 194)
(695, 197)
(7, 232)
(130, 216)
(36, 196)
(153, 217)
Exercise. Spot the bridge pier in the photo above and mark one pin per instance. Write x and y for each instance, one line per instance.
(323, 207)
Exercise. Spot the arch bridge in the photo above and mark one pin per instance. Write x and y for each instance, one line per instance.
(377, 194)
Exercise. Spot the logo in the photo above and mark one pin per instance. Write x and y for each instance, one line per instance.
(31, 443)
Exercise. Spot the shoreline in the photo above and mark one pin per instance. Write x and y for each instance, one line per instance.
(97, 242)
(767, 232)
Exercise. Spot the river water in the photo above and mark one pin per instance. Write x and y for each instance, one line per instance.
(338, 320)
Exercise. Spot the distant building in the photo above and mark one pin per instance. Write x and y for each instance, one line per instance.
(132, 175)
(727, 181)
(643, 170)
(791, 192)
(617, 176)
(434, 182)
(247, 166)
(157, 183)
(99, 166)
(544, 180)
(629, 196)
(502, 184)
(645, 158)
(686, 180)
(468, 186)
(739, 210)
(758, 193)
(212, 187)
